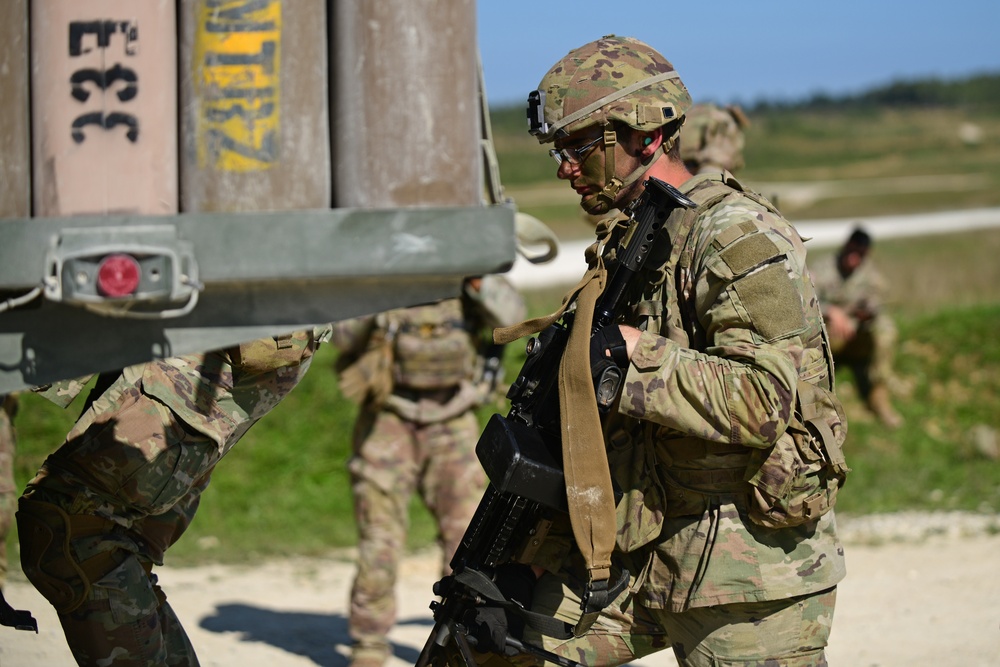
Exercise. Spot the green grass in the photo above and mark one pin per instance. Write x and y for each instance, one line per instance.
(949, 362)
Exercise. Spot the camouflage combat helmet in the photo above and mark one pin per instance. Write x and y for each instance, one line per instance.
(614, 79)
(712, 138)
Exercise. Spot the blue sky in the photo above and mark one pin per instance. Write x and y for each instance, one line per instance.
(730, 51)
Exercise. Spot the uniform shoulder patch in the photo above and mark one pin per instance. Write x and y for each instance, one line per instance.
(749, 252)
(772, 303)
(730, 234)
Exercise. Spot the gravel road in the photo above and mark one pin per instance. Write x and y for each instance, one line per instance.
(921, 591)
(570, 264)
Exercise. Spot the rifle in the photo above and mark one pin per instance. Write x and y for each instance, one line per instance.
(521, 454)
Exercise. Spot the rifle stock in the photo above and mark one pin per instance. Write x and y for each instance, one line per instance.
(522, 456)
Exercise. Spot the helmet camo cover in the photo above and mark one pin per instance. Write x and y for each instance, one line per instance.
(611, 79)
(712, 137)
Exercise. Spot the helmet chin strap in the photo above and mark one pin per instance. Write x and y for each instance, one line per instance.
(605, 199)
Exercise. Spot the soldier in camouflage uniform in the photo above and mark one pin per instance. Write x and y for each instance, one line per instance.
(726, 441)
(712, 138)
(104, 508)
(851, 291)
(419, 374)
(8, 492)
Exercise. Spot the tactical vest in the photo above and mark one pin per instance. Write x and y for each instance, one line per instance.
(432, 349)
(792, 482)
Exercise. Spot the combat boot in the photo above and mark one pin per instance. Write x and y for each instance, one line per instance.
(881, 405)
(369, 656)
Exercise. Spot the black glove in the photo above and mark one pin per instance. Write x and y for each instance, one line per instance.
(605, 340)
(489, 627)
(517, 582)
(493, 366)
(608, 371)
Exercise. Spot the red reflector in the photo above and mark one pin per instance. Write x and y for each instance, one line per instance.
(118, 275)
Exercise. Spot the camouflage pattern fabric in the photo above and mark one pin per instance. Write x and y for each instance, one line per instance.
(585, 88)
(757, 328)
(861, 295)
(126, 484)
(421, 438)
(791, 631)
(730, 329)
(393, 458)
(608, 81)
(712, 138)
(431, 347)
(62, 392)
(8, 491)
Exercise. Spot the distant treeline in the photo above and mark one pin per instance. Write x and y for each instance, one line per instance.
(980, 93)
(975, 93)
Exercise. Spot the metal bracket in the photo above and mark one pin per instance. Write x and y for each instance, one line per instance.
(166, 267)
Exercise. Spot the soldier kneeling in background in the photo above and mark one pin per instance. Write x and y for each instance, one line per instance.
(851, 292)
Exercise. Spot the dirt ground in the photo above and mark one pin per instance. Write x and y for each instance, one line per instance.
(922, 602)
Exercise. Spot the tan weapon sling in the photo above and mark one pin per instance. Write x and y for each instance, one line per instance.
(588, 480)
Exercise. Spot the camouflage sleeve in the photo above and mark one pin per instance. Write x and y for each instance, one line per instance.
(740, 387)
(63, 392)
(224, 392)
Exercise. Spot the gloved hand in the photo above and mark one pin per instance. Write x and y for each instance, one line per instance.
(489, 627)
(492, 367)
(607, 343)
(608, 360)
(517, 582)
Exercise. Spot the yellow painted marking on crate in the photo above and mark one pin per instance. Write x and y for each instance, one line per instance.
(237, 72)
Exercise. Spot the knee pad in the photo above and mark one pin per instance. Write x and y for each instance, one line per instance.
(45, 532)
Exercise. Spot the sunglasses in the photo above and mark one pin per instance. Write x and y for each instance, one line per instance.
(573, 155)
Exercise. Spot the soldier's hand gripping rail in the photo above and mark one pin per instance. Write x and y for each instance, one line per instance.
(487, 595)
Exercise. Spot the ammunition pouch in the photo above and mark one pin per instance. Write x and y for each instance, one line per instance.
(640, 511)
(517, 461)
(46, 533)
(796, 481)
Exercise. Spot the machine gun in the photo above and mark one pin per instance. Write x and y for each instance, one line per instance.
(521, 454)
